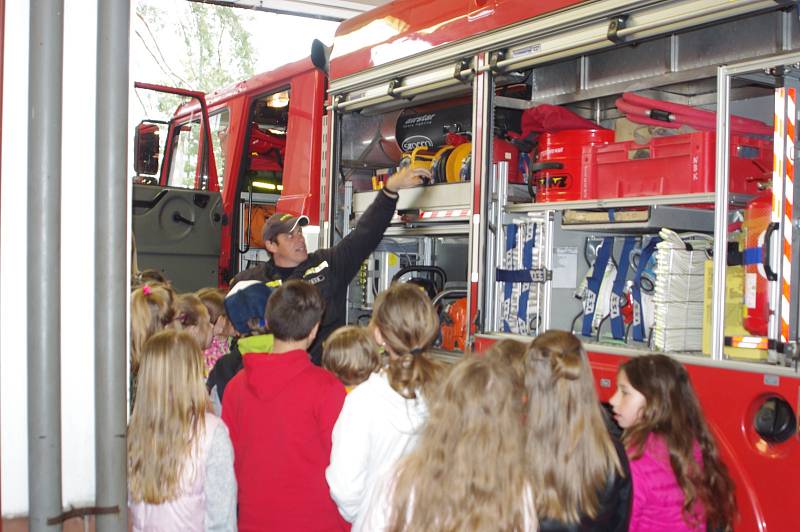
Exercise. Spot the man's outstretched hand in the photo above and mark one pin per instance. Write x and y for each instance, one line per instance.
(407, 178)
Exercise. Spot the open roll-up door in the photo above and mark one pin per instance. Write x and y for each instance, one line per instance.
(321, 9)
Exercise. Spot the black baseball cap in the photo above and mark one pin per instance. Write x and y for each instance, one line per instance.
(280, 223)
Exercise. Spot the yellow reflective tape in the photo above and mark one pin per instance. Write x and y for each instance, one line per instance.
(316, 269)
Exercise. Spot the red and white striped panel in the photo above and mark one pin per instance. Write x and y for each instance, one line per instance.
(788, 198)
(457, 213)
(777, 154)
(432, 215)
(778, 163)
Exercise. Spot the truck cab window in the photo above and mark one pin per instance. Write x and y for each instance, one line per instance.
(268, 133)
(183, 170)
(219, 124)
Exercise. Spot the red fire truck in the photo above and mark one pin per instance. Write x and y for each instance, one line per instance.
(195, 226)
(622, 169)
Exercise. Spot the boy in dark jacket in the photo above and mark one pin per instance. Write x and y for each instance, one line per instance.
(280, 411)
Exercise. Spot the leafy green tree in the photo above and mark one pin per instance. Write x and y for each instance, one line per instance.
(195, 46)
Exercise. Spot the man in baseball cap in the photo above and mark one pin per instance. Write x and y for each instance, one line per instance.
(282, 223)
(283, 239)
(332, 269)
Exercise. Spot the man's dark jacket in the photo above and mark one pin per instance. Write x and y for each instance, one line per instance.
(332, 269)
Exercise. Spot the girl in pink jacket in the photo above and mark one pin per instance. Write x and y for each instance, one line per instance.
(680, 484)
(180, 458)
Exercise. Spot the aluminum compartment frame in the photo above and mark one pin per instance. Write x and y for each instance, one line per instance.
(724, 76)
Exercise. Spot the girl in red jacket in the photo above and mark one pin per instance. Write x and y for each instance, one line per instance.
(679, 481)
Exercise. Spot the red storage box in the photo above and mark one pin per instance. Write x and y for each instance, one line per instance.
(679, 164)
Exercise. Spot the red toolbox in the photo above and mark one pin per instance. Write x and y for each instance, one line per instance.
(678, 164)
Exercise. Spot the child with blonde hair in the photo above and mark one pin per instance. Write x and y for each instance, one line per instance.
(351, 354)
(466, 471)
(222, 331)
(510, 353)
(578, 472)
(180, 458)
(149, 276)
(152, 309)
(191, 315)
(381, 418)
(679, 480)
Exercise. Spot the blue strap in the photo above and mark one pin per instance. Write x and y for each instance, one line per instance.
(638, 314)
(618, 291)
(520, 276)
(527, 263)
(527, 247)
(752, 256)
(511, 241)
(594, 282)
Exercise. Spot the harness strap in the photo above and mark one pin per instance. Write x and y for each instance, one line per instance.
(529, 241)
(511, 240)
(594, 282)
(617, 291)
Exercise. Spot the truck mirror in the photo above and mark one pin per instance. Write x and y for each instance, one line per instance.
(146, 149)
(320, 55)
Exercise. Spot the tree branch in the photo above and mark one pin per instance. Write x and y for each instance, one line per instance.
(160, 60)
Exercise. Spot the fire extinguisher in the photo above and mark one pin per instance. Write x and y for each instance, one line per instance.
(757, 234)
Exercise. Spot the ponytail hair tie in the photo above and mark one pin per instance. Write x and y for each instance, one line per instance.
(417, 351)
(146, 290)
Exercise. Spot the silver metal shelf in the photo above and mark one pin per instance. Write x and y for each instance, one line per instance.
(658, 216)
(441, 196)
(613, 203)
(260, 197)
(434, 229)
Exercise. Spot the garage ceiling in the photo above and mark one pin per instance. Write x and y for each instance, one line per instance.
(322, 9)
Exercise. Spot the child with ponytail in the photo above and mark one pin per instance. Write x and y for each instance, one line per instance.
(381, 418)
(152, 309)
(680, 484)
(465, 472)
